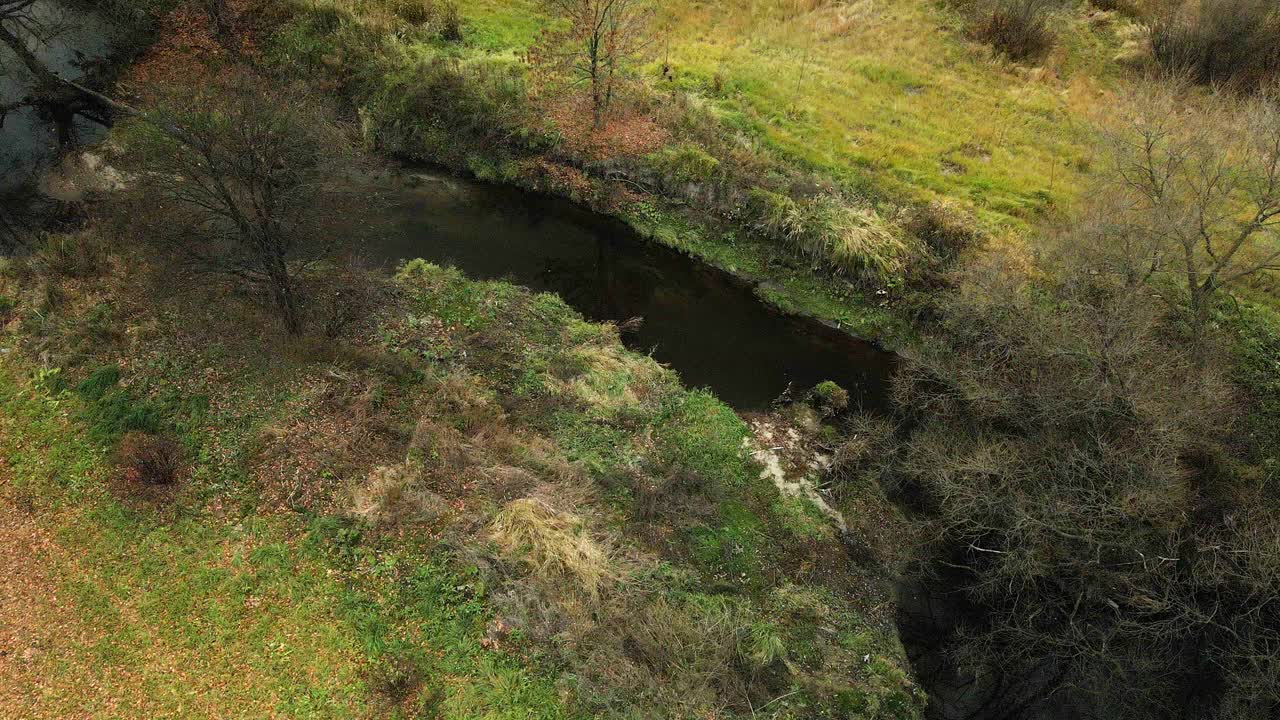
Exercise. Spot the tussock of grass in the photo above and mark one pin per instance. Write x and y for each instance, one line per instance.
(554, 542)
(853, 241)
(393, 495)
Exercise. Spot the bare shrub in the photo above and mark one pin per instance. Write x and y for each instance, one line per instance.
(1017, 28)
(1061, 456)
(341, 299)
(151, 460)
(1220, 41)
(245, 181)
(602, 39)
(1191, 200)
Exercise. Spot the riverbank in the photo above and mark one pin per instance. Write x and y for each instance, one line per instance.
(486, 506)
(667, 164)
(766, 179)
(471, 503)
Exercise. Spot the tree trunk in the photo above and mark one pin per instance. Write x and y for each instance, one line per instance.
(1201, 302)
(286, 298)
(596, 100)
(597, 111)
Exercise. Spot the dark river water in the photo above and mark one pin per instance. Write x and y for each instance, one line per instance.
(702, 322)
(74, 37)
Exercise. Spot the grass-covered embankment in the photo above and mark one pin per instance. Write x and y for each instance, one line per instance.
(831, 152)
(471, 503)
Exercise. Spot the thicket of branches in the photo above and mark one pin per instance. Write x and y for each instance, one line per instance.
(1068, 436)
(248, 180)
(1191, 199)
(1067, 455)
(1234, 42)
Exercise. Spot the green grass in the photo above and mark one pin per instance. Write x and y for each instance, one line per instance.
(888, 103)
(284, 627)
(290, 606)
(248, 616)
(700, 434)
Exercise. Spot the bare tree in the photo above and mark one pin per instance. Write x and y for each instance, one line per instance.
(247, 181)
(1193, 198)
(1061, 451)
(603, 37)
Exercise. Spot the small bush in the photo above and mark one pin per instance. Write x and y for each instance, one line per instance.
(1017, 28)
(149, 459)
(1220, 41)
(948, 231)
(396, 680)
(830, 398)
(7, 304)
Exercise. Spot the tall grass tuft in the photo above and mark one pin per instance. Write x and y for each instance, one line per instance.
(554, 542)
(849, 240)
(75, 255)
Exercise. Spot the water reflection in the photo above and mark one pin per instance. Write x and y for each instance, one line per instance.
(698, 320)
(68, 40)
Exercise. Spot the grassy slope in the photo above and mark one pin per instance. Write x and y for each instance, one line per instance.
(887, 95)
(885, 100)
(884, 93)
(254, 590)
(212, 604)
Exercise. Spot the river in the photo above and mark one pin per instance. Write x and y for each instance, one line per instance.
(706, 324)
(28, 142)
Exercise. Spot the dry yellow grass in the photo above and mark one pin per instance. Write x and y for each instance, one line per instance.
(555, 543)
